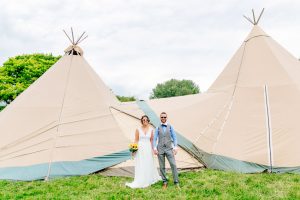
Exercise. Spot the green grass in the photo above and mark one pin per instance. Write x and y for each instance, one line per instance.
(203, 184)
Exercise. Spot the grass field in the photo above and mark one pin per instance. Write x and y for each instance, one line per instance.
(203, 184)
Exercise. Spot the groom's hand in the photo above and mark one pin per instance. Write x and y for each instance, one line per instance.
(155, 151)
(175, 150)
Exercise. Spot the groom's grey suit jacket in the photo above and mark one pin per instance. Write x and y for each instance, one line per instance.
(165, 142)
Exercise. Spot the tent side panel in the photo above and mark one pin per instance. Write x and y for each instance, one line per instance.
(214, 161)
(64, 168)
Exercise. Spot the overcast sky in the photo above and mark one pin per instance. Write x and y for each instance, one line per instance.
(135, 44)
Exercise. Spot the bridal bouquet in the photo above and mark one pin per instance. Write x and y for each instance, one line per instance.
(133, 147)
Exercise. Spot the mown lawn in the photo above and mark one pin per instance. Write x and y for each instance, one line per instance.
(203, 184)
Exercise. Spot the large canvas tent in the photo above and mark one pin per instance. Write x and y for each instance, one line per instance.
(67, 123)
(248, 120)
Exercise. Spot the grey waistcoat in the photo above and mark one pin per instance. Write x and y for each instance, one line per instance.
(164, 139)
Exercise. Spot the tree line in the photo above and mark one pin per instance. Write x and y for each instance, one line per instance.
(19, 72)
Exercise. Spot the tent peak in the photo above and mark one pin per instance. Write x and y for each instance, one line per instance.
(73, 48)
(254, 21)
(79, 39)
(256, 32)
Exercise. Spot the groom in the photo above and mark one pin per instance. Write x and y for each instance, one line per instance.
(166, 147)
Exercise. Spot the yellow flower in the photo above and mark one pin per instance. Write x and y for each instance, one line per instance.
(133, 147)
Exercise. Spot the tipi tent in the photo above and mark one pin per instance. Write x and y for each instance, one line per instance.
(66, 123)
(61, 125)
(248, 120)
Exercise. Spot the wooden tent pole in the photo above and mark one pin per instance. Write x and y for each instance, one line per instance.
(67, 36)
(253, 17)
(79, 38)
(260, 15)
(249, 19)
(72, 36)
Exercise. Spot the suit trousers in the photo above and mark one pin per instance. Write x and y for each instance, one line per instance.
(170, 156)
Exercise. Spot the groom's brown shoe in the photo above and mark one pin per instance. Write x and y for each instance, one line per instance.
(165, 185)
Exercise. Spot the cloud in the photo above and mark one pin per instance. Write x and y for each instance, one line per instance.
(133, 45)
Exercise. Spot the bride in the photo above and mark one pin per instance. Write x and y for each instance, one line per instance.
(145, 172)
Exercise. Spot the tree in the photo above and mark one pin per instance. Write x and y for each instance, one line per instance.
(174, 87)
(2, 107)
(19, 72)
(125, 99)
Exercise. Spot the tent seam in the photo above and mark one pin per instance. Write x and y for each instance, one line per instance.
(59, 120)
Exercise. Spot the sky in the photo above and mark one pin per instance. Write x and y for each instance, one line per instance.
(135, 44)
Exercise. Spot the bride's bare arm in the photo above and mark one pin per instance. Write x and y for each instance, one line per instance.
(136, 138)
(151, 137)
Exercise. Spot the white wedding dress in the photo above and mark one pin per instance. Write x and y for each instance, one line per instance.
(145, 172)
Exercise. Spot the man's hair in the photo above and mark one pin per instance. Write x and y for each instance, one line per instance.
(163, 113)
